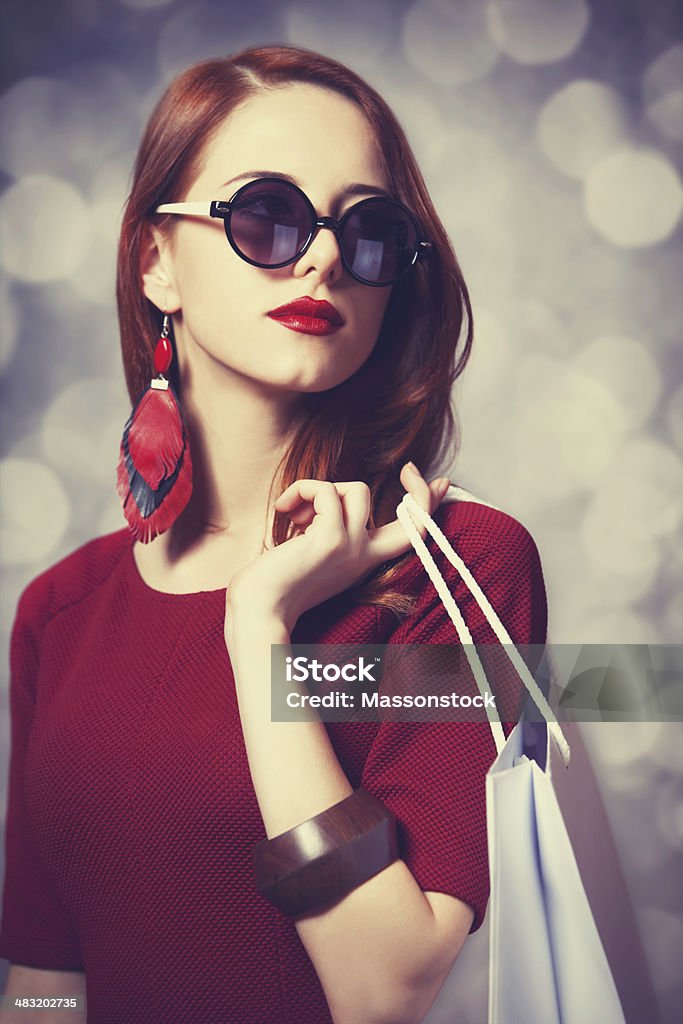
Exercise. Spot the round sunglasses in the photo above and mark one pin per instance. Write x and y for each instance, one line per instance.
(271, 223)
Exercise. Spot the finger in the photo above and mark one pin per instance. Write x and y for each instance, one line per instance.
(303, 513)
(291, 496)
(427, 495)
(390, 541)
(415, 484)
(438, 488)
(356, 502)
(323, 497)
(301, 516)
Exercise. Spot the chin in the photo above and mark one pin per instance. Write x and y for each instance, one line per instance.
(326, 379)
(312, 374)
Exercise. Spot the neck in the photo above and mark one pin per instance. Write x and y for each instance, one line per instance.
(239, 432)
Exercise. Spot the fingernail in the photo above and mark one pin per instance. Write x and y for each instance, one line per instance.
(413, 468)
(442, 485)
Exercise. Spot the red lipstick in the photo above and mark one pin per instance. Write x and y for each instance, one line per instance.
(308, 316)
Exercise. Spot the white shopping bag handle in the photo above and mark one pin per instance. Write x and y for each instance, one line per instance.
(406, 511)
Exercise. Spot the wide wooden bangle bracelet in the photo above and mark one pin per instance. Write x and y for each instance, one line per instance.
(322, 859)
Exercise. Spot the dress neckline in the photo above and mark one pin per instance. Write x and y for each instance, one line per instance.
(144, 587)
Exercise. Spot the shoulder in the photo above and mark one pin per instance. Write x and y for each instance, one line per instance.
(496, 555)
(72, 578)
(483, 535)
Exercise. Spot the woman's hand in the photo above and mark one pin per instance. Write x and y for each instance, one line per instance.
(332, 550)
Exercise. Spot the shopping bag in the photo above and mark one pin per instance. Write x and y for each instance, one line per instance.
(547, 964)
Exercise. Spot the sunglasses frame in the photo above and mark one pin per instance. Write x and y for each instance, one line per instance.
(222, 209)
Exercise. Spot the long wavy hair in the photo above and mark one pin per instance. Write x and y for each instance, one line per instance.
(397, 406)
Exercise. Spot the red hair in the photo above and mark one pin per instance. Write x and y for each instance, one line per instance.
(397, 406)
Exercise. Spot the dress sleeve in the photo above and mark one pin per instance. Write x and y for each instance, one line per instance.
(36, 930)
(432, 775)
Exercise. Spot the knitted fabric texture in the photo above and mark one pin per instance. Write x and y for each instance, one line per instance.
(131, 811)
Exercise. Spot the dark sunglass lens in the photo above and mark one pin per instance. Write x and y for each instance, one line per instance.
(270, 223)
(379, 241)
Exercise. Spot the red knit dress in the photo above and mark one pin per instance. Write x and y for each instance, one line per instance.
(132, 815)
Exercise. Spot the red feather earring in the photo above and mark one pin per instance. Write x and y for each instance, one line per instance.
(154, 473)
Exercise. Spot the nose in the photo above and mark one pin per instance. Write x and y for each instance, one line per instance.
(324, 252)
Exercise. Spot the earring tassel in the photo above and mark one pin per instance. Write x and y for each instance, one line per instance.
(154, 473)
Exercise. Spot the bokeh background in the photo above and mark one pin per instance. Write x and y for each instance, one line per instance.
(550, 135)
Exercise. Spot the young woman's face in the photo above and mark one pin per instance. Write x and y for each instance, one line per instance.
(222, 303)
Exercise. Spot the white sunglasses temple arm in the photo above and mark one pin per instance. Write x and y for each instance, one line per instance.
(199, 209)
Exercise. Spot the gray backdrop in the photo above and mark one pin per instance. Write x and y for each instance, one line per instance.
(550, 135)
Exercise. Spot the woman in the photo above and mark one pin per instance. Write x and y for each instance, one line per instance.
(145, 764)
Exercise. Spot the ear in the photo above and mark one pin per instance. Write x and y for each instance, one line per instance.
(156, 270)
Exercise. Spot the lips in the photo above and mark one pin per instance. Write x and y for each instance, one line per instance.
(307, 307)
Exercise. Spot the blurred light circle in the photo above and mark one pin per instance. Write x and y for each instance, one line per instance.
(663, 92)
(674, 416)
(56, 127)
(100, 85)
(589, 424)
(536, 325)
(623, 744)
(113, 518)
(662, 933)
(669, 810)
(620, 751)
(648, 476)
(614, 548)
(449, 43)
(481, 441)
(626, 368)
(99, 283)
(664, 74)
(609, 620)
(639, 500)
(35, 510)
(488, 365)
(488, 255)
(670, 629)
(32, 112)
(667, 114)
(668, 754)
(566, 565)
(205, 28)
(422, 124)
(564, 419)
(536, 32)
(81, 430)
(9, 327)
(633, 197)
(110, 183)
(476, 183)
(355, 31)
(44, 229)
(581, 123)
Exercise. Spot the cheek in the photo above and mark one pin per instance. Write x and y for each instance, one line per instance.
(217, 288)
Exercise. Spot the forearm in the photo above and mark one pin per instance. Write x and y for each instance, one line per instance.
(293, 766)
(296, 775)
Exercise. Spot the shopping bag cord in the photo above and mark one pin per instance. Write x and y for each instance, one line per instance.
(406, 510)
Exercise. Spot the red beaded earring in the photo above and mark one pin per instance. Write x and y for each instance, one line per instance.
(154, 473)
